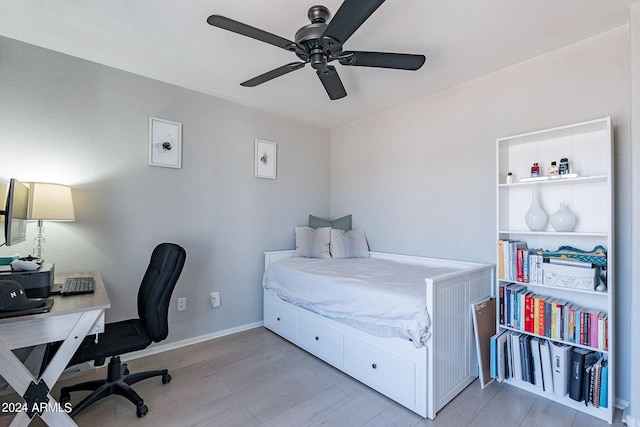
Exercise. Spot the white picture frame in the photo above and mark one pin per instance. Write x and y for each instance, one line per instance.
(165, 143)
(265, 159)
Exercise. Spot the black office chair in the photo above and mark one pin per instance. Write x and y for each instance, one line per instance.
(126, 336)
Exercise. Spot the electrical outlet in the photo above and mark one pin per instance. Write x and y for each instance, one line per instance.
(215, 299)
(182, 303)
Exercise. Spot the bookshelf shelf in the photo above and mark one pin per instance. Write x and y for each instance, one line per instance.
(589, 195)
(557, 233)
(556, 340)
(556, 181)
(600, 294)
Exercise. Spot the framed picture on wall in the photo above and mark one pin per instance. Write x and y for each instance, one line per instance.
(165, 143)
(266, 159)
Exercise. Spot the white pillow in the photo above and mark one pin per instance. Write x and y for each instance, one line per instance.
(349, 244)
(313, 242)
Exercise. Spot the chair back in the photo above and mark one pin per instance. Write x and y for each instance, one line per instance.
(157, 286)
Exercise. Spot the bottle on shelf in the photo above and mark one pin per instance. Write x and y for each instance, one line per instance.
(553, 169)
(509, 178)
(535, 170)
(564, 166)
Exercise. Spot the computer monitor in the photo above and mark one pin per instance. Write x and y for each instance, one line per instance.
(15, 213)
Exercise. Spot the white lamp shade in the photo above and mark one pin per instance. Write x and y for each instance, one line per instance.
(51, 202)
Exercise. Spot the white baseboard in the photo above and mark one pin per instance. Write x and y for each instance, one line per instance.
(629, 420)
(86, 367)
(190, 341)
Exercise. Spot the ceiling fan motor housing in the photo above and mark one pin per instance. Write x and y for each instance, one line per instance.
(316, 49)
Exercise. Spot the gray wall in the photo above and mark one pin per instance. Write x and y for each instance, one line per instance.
(420, 178)
(74, 122)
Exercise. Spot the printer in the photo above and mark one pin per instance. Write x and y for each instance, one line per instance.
(36, 283)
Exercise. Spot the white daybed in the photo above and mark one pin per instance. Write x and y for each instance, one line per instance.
(422, 378)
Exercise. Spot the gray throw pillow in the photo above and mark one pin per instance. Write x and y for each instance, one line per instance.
(313, 242)
(349, 244)
(343, 223)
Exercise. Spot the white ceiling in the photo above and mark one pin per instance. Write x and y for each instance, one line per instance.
(172, 42)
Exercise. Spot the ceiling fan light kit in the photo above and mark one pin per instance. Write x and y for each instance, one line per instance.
(320, 43)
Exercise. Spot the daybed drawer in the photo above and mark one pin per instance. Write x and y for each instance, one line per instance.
(321, 340)
(279, 318)
(386, 372)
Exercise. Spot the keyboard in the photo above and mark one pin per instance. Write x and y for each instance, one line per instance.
(77, 285)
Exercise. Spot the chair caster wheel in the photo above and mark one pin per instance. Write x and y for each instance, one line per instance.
(125, 369)
(166, 378)
(141, 411)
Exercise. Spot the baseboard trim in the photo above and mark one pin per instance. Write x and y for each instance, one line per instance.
(629, 420)
(189, 341)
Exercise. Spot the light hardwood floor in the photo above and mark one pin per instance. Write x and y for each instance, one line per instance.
(255, 378)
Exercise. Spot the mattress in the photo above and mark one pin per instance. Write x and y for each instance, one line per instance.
(381, 297)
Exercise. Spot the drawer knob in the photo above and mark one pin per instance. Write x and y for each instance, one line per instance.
(278, 319)
(317, 338)
(374, 366)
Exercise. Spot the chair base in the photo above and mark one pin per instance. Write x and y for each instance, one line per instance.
(116, 383)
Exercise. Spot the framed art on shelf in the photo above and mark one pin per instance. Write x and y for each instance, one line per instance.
(165, 143)
(266, 159)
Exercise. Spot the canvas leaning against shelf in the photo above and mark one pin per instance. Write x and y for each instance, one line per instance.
(555, 314)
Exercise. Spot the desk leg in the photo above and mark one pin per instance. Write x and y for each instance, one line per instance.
(19, 377)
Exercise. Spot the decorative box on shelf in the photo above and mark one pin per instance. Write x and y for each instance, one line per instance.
(567, 276)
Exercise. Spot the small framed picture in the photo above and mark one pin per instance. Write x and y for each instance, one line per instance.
(266, 159)
(165, 143)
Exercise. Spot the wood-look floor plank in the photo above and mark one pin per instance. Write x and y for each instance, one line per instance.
(256, 378)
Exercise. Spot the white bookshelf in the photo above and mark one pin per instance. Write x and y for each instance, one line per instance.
(588, 146)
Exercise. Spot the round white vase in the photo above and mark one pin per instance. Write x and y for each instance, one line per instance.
(563, 219)
(536, 217)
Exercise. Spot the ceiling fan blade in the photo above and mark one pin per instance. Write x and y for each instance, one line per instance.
(249, 31)
(349, 18)
(270, 75)
(399, 61)
(331, 82)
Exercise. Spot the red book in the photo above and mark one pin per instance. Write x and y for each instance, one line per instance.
(520, 274)
(529, 312)
(541, 317)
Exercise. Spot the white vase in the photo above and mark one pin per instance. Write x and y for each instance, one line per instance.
(536, 217)
(563, 219)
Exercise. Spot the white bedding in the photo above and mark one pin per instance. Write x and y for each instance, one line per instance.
(381, 297)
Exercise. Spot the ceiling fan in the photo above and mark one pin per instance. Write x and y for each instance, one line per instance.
(319, 43)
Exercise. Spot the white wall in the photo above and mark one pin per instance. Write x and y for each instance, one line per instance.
(74, 122)
(420, 178)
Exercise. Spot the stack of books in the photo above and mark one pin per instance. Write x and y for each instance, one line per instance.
(551, 317)
(519, 263)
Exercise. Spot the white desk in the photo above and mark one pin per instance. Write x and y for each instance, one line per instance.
(70, 320)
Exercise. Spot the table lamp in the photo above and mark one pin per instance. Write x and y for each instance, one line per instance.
(48, 202)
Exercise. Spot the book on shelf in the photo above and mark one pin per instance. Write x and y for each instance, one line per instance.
(561, 359)
(516, 358)
(604, 385)
(502, 356)
(545, 362)
(577, 369)
(537, 363)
